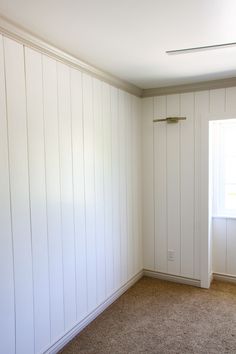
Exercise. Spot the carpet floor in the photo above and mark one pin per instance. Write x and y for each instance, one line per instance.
(156, 316)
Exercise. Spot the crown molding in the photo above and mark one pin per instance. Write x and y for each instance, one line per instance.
(23, 36)
(198, 86)
(19, 34)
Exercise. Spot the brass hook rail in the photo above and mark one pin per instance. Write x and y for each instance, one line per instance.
(169, 119)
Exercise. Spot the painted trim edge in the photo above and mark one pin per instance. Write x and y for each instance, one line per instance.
(198, 86)
(210, 279)
(172, 278)
(14, 31)
(224, 277)
(60, 343)
(69, 335)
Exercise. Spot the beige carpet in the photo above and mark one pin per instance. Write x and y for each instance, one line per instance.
(156, 316)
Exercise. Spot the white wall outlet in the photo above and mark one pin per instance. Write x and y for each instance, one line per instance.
(171, 255)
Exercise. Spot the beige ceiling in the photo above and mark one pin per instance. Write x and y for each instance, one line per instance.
(128, 38)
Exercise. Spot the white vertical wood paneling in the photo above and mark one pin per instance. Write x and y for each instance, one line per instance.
(53, 197)
(123, 191)
(7, 310)
(230, 246)
(89, 190)
(197, 159)
(224, 245)
(184, 149)
(140, 180)
(79, 195)
(138, 193)
(115, 184)
(219, 228)
(187, 185)
(160, 185)
(71, 193)
(217, 100)
(202, 109)
(173, 186)
(201, 217)
(19, 182)
(174, 153)
(67, 201)
(34, 90)
(148, 190)
(128, 108)
(230, 101)
(70, 186)
(135, 183)
(108, 193)
(177, 183)
(99, 191)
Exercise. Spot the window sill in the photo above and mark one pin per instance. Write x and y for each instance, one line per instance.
(223, 217)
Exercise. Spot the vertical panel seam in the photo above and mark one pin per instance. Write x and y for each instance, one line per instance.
(132, 186)
(224, 99)
(29, 195)
(153, 187)
(180, 195)
(120, 180)
(118, 177)
(46, 200)
(10, 194)
(167, 204)
(209, 100)
(61, 223)
(131, 255)
(194, 183)
(85, 216)
(94, 186)
(73, 194)
(103, 185)
(226, 245)
(126, 187)
(112, 194)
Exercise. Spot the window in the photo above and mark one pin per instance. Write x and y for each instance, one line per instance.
(223, 137)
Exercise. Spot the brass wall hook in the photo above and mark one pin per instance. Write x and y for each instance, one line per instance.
(169, 120)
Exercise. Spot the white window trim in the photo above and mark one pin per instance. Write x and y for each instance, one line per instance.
(218, 176)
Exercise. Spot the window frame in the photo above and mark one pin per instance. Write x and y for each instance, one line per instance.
(217, 138)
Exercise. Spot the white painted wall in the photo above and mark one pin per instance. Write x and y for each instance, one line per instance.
(70, 192)
(70, 196)
(175, 180)
(224, 245)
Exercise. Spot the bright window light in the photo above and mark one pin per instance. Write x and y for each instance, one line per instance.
(223, 137)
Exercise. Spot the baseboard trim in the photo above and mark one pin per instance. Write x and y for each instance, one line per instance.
(224, 277)
(54, 348)
(69, 335)
(172, 278)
